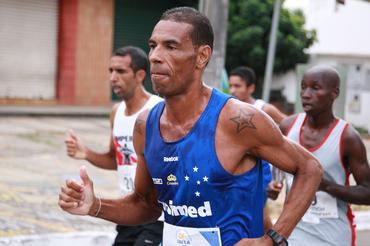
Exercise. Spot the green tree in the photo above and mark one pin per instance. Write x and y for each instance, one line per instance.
(248, 36)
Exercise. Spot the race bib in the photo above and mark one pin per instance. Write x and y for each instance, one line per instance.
(126, 175)
(323, 206)
(179, 236)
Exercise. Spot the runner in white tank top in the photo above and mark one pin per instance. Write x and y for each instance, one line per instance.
(127, 70)
(259, 103)
(126, 158)
(329, 220)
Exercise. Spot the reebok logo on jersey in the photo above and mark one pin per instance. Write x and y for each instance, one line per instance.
(171, 159)
(184, 210)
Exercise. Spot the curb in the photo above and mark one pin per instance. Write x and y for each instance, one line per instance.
(77, 111)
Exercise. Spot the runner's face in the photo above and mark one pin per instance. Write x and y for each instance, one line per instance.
(316, 94)
(239, 89)
(172, 57)
(122, 77)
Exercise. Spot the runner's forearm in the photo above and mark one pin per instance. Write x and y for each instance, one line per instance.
(105, 160)
(131, 210)
(357, 194)
(300, 196)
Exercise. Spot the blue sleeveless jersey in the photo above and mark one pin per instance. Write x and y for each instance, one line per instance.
(194, 188)
(267, 177)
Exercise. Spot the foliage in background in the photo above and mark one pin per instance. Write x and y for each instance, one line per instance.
(249, 26)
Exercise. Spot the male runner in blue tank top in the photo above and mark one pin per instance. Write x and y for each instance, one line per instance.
(199, 153)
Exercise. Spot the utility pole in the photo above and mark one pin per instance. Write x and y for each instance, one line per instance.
(217, 12)
(271, 52)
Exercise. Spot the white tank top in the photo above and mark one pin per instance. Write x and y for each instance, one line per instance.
(126, 158)
(259, 103)
(328, 221)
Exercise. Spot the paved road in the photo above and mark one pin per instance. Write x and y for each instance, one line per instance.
(33, 165)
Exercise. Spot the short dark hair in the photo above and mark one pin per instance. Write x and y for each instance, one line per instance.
(202, 33)
(139, 59)
(246, 73)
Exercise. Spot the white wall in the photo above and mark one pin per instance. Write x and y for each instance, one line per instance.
(287, 83)
(343, 34)
(341, 29)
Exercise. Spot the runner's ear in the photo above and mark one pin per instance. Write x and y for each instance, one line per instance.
(140, 75)
(204, 55)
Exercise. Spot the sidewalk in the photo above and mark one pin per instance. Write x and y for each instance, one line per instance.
(54, 110)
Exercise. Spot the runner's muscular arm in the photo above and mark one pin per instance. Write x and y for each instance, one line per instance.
(105, 160)
(290, 157)
(274, 113)
(286, 124)
(137, 208)
(354, 157)
(263, 139)
(274, 188)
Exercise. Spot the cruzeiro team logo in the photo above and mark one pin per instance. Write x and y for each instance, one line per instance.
(172, 209)
(172, 180)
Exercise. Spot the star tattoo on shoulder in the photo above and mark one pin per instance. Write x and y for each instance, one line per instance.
(243, 120)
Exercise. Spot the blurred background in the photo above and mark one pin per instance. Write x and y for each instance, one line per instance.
(54, 57)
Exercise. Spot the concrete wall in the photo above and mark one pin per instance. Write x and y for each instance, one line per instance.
(287, 84)
(85, 46)
(341, 29)
(94, 48)
(66, 77)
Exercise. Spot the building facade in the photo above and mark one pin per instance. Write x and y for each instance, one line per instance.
(343, 39)
(56, 52)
